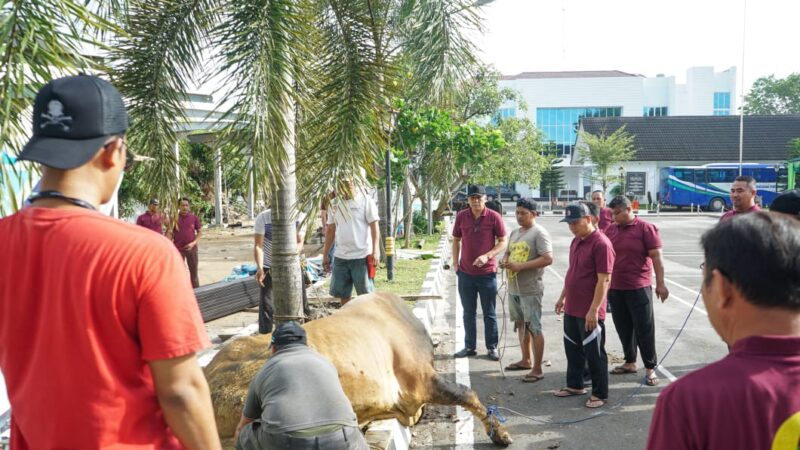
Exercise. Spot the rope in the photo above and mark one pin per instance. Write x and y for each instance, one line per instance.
(492, 411)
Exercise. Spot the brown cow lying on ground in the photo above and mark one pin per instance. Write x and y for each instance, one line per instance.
(385, 363)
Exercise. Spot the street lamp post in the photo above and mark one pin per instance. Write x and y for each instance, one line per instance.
(389, 243)
(622, 181)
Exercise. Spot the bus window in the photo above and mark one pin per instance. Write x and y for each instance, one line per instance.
(721, 175)
(685, 175)
(783, 179)
(700, 176)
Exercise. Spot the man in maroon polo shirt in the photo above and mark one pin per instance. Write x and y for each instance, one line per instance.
(185, 235)
(743, 197)
(751, 398)
(479, 235)
(604, 214)
(151, 219)
(637, 246)
(583, 302)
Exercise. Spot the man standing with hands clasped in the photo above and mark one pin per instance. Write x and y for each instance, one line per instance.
(529, 252)
(583, 302)
(185, 236)
(479, 235)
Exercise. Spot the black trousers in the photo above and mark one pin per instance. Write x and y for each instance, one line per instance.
(266, 307)
(633, 319)
(584, 347)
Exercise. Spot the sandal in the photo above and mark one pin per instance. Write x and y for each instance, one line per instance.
(567, 392)
(516, 366)
(620, 370)
(652, 379)
(532, 378)
(594, 402)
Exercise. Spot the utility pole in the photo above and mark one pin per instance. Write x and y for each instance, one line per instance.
(389, 243)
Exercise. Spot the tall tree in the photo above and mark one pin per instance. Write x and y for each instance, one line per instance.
(552, 175)
(605, 151)
(770, 95)
(520, 159)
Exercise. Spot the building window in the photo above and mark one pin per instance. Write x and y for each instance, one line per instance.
(560, 125)
(722, 103)
(653, 111)
(504, 113)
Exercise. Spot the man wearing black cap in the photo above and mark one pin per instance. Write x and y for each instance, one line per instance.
(296, 402)
(98, 325)
(151, 219)
(479, 235)
(787, 203)
(583, 302)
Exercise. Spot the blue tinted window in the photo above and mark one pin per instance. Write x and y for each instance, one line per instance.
(722, 103)
(560, 125)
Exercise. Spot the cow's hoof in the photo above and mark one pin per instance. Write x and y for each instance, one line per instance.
(501, 437)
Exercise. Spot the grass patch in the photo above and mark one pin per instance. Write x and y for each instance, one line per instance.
(409, 274)
(430, 245)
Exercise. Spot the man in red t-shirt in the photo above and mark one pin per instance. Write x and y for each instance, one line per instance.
(185, 235)
(603, 214)
(151, 219)
(583, 302)
(751, 398)
(479, 235)
(743, 197)
(637, 245)
(98, 325)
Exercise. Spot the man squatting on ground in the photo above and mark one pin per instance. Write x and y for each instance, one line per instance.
(98, 338)
(479, 235)
(637, 246)
(583, 302)
(353, 227)
(296, 402)
(262, 252)
(751, 290)
(529, 251)
(185, 235)
(743, 197)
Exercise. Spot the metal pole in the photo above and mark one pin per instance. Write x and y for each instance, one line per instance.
(741, 105)
(389, 245)
(217, 187)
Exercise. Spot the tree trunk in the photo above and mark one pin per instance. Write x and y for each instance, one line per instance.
(382, 214)
(408, 224)
(286, 276)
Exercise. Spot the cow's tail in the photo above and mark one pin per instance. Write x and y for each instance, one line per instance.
(451, 393)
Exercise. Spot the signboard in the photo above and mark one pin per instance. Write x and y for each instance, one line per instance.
(636, 183)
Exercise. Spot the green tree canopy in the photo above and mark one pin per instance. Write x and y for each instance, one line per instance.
(770, 95)
(605, 151)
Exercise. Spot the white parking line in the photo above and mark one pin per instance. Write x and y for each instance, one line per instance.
(698, 308)
(682, 286)
(555, 273)
(464, 426)
(667, 373)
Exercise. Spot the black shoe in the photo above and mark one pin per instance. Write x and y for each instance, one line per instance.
(493, 354)
(465, 352)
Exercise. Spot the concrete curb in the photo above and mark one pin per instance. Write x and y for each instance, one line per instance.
(389, 434)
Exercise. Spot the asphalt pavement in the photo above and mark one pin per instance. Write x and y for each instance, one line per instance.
(538, 420)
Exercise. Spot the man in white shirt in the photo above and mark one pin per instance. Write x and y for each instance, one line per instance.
(353, 226)
(262, 251)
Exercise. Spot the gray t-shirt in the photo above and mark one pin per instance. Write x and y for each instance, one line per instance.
(524, 246)
(298, 389)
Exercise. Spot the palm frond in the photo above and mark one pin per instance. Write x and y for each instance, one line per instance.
(154, 61)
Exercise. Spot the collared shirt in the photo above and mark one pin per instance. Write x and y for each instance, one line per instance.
(186, 230)
(734, 212)
(587, 257)
(633, 267)
(151, 222)
(605, 220)
(478, 236)
(749, 399)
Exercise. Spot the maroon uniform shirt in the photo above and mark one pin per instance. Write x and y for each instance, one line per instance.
(605, 220)
(748, 400)
(733, 212)
(587, 257)
(150, 221)
(478, 237)
(185, 231)
(633, 268)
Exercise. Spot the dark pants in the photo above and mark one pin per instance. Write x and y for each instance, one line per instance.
(469, 287)
(266, 307)
(582, 347)
(191, 260)
(254, 437)
(633, 319)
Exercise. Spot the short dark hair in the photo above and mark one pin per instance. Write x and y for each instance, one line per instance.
(747, 179)
(185, 199)
(760, 254)
(594, 210)
(600, 191)
(619, 201)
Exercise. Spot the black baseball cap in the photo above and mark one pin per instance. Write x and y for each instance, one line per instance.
(575, 211)
(528, 203)
(72, 118)
(787, 203)
(289, 333)
(154, 201)
(476, 189)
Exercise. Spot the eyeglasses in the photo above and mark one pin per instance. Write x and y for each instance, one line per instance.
(703, 266)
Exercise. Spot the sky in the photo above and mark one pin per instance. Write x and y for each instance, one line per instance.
(642, 36)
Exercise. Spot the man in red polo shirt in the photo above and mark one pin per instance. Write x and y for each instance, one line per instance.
(637, 246)
(583, 302)
(479, 235)
(151, 219)
(750, 399)
(604, 214)
(185, 235)
(97, 339)
(743, 197)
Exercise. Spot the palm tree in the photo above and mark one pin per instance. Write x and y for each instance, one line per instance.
(310, 80)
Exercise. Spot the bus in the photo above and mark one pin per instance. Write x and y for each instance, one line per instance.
(709, 186)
